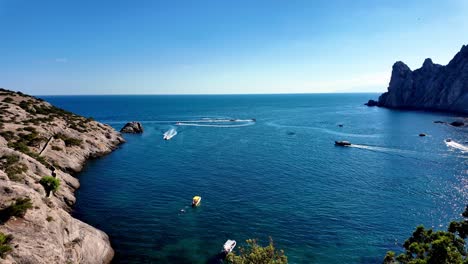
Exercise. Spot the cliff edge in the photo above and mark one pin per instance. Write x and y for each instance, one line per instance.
(431, 87)
(37, 140)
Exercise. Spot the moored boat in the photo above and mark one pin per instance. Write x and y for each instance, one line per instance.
(229, 246)
(196, 201)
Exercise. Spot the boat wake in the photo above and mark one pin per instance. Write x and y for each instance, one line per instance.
(455, 145)
(325, 130)
(213, 125)
(203, 122)
(226, 123)
(383, 149)
(169, 134)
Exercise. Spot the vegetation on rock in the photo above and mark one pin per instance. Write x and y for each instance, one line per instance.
(428, 246)
(5, 244)
(254, 253)
(17, 209)
(12, 167)
(69, 142)
(50, 184)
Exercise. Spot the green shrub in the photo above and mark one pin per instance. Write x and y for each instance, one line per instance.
(428, 246)
(49, 218)
(26, 140)
(13, 168)
(68, 140)
(5, 244)
(7, 135)
(50, 184)
(56, 148)
(25, 105)
(7, 100)
(30, 129)
(255, 253)
(17, 209)
(20, 146)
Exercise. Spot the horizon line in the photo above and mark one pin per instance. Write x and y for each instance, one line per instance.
(201, 94)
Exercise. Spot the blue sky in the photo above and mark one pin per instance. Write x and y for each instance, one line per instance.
(211, 47)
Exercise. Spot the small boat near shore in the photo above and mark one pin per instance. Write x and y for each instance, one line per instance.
(229, 246)
(196, 201)
(342, 143)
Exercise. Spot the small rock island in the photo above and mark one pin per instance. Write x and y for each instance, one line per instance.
(40, 147)
(432, 87)
(132, 128)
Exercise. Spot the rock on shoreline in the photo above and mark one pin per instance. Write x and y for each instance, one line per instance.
(132, 128)
(431, 87)
(40, 136)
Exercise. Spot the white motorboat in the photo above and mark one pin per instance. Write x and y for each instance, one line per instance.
(229, 246)
(169, 134)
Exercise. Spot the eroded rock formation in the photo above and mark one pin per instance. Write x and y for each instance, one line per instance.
(36, 137)
(431, 87)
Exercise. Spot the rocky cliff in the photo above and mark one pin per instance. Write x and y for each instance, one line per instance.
(37, 140)
(431, 87)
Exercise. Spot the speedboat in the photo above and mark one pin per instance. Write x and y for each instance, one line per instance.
(169, 134)
(229, 246)
(448, 140)
(196, 201)
(343, 143)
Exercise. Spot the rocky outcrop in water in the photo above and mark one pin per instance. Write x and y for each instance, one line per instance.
(37, 140)
(132, 128)
(431, 87)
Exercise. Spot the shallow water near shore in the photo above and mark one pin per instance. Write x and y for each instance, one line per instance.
(279, 175)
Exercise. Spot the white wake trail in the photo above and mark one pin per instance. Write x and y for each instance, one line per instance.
(207, 125)
(456, 145)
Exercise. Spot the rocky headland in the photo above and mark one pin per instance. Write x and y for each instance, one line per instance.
(432, 87)
(40, 143)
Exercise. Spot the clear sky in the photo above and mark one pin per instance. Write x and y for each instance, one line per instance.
(239, 46)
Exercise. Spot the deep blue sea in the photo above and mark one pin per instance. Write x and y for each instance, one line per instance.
(280, 176)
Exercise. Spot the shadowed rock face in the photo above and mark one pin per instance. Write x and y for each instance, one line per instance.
(431, 87)
(45, 141)
(132, 128)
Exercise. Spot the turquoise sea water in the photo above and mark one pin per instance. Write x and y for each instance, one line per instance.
(280, 176)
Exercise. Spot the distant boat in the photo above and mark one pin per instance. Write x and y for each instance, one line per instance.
(196, 201)
(229, 246)
(169, 134)
(343, 143)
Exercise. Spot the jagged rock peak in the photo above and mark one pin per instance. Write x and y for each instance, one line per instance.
(428, 63)
(431, 87)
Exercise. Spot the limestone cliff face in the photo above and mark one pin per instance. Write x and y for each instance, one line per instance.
(36, 138)
(431, 87)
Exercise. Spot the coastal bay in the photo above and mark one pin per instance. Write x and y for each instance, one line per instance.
(281, 176)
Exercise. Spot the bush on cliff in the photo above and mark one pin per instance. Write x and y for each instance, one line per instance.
(50, 184)
(428, 246)
(7, 100)
(5, 244)
(17, 209)
(69, 142)
(254, 253)
(12, 167)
